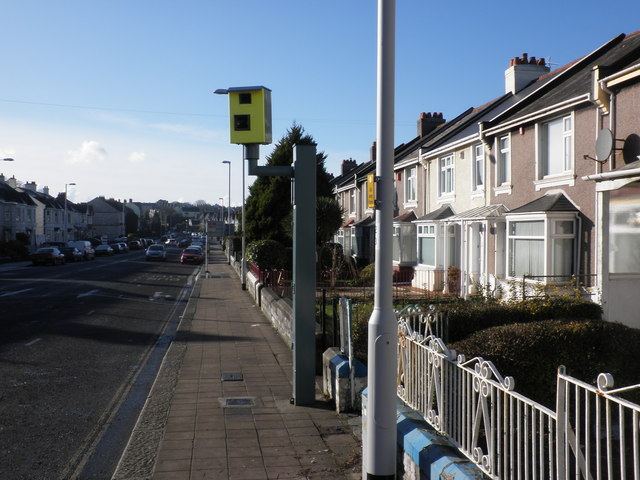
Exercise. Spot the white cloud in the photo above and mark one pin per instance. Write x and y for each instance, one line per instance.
(137, 157)
(89, 152)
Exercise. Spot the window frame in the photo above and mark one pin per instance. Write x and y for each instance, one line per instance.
(544, 173)
(411, 184)
(549, 238)
(428, 230)
(503, 162)
(446, 175)
(477, 168)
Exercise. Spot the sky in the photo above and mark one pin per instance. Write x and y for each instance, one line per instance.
(116, 96)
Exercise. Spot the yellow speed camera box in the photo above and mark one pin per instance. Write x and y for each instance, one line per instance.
(250, 115)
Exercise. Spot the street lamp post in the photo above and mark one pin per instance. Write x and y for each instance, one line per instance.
(228, 224)
(64, 237)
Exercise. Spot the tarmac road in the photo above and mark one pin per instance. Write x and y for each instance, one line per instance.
(80, 345)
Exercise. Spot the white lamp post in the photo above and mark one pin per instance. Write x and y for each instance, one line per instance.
(64, 237)
(228, 224)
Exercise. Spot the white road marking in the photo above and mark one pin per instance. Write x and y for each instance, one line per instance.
(16, 292)
(33, 341)
(91, 292)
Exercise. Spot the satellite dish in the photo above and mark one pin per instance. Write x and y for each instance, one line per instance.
(604, 144)
(631, 149)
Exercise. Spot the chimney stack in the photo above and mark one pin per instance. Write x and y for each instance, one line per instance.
(12, 182)
(522, 71)
(31, 186)
(45, 190)
(428, 122)
(372, 152)
(348, 165)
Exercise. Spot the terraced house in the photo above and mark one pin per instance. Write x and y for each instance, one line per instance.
(539, 187)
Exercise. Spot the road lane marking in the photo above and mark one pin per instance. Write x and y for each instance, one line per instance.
(33, 342)
(16, 292)
(91, 292)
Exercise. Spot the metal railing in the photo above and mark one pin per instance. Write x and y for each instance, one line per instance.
(593, 434)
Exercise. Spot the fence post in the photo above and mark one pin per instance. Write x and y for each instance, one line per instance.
(561, 424)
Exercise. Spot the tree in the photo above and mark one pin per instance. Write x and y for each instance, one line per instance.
(269, 200)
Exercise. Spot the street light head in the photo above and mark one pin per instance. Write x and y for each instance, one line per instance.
(226, 161)
(7, 159)
(221, 91)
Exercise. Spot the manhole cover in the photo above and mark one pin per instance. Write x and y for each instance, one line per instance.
(232, 377)
(237, 402)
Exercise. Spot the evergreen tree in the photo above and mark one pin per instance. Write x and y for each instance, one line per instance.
(269, 202)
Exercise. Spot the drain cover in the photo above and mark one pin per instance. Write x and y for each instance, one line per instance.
(232, 377)
(237, 402)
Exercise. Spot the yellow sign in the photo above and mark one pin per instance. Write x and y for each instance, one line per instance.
(371, 193)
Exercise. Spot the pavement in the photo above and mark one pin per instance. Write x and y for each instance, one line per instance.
(220, 406)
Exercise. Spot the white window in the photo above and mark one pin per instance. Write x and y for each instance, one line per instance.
(526, 248)
(404, 243)
(427, 245)
(352, 201)
(555, 147)
(411, 185)
(478, 167)
(504, 161)
(396, 244)
(542, 247)
(624, 228)
(447, 175)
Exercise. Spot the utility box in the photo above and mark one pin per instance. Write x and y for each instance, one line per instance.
(250, 115)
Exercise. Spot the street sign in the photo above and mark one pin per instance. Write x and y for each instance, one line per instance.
(371, 192)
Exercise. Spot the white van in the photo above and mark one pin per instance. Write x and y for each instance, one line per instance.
(85, 247)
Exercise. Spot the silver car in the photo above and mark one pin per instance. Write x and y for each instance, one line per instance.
(156, 252)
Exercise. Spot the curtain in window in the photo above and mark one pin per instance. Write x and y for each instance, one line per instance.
(527, 257)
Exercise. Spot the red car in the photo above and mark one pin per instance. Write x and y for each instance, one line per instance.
(192, 255)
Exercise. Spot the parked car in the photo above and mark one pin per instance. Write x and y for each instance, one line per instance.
(156, 252)
(124, 247)
(135, 245)
(47, 255)
(192, 255)
(103, 250)
(54, 244)
(116, 248)
(171, 242)
(72, 254)
(85, 247)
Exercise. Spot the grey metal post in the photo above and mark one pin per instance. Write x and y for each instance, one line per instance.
(227, 227)
(380, 441)
(251, 152)
(304, 274)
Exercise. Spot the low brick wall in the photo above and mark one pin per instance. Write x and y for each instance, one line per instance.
(278, 310)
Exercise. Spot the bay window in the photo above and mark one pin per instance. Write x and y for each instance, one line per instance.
(542, 246)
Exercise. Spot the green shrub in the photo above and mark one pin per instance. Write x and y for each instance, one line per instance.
(367, 275)
(267, 254)
(466, 318)
(361, 312)
(532, 352)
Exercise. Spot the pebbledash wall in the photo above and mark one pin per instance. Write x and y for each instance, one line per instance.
(422, 452)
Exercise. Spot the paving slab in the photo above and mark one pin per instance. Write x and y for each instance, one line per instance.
(220, 408)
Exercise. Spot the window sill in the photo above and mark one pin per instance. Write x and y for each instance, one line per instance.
(503, 189)
(448, 198)
(555, 181)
